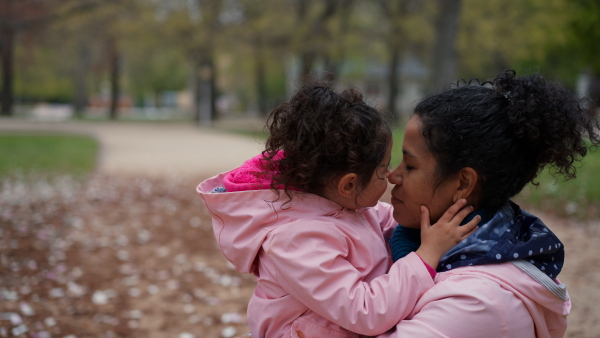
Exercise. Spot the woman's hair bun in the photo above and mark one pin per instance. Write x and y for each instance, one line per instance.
(352, 95)
(547, 118)
(528, 99)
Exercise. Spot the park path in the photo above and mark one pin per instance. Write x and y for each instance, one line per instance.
(157, 149)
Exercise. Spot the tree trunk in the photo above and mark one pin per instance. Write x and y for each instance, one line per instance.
(196, 91)
(7, 45)
(115, 73)
(444, 67)
(330, 70)
(393, 84)
(308, 60)
(261, 86)
(213, 88)
(80, 99)
(203, 99)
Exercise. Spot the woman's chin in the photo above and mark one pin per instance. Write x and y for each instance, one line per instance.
(407, 223)
(412, 226)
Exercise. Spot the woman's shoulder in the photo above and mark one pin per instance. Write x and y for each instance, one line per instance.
(495, 284)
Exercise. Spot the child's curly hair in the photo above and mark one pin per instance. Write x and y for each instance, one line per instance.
(324, 134)
(508, 130)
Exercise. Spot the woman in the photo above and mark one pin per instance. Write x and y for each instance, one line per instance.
(484, 143)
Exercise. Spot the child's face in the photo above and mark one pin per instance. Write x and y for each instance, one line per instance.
(378, 183)
(415, 181)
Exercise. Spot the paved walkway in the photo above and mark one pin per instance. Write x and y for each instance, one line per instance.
(156, 148)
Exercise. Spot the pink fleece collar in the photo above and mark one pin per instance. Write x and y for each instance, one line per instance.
(252, 175)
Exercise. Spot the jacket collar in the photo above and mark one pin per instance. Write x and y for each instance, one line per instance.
(511, 234)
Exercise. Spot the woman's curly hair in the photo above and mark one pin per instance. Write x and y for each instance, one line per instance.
(324, 134)
(508, 130)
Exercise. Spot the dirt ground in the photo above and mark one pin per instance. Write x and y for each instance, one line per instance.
(115, 257)
(136, 257)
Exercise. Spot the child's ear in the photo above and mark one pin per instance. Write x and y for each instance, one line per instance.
(467, 185)
(347, 185)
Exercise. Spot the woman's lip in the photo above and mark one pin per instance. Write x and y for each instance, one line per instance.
(396, 200)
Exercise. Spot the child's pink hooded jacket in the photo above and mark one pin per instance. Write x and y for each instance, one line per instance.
(321, 269)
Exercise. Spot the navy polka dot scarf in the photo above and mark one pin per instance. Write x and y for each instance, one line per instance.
(510, 234)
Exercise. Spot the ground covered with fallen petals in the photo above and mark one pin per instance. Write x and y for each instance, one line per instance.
(114, 257)
(136, 257)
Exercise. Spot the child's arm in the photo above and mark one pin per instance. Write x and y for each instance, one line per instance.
(437, 239)
(385, 217)
(316, 264)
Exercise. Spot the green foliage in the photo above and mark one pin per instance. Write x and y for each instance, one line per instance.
(275, 88)
(495, 35)
(161, 43)
(41, 75)
(585, 29)
(156, 70)
(47, 155)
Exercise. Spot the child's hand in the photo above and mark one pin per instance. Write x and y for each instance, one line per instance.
(437, 239)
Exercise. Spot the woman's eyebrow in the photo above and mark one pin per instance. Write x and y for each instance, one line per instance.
(407, 153)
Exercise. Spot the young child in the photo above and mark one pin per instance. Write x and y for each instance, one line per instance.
(305, 218)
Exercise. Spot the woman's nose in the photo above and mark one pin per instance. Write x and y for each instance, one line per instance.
(394, 177)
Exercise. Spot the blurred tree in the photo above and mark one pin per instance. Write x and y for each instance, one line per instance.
(111, 24)
(405, 33)
(153, 70)
(262, 30)
(82, 65)
(494, 36)
(584, 26)
(445, 55)
(195, 27)
(28, 17)
(97, 41)
(41, 69)
(321, 27)
(146, 47)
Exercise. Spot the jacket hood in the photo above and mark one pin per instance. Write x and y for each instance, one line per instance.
(548, 309)
(243, 219)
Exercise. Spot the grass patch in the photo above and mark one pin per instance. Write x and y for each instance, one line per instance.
(579, 197)
(47, 155)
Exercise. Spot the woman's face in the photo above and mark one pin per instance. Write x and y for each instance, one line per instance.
(415, 181)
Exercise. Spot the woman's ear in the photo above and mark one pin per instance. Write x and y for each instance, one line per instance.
(347, 185)
(467, 185)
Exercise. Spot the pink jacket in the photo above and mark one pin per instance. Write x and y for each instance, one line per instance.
(498, 300)
(320, 269)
